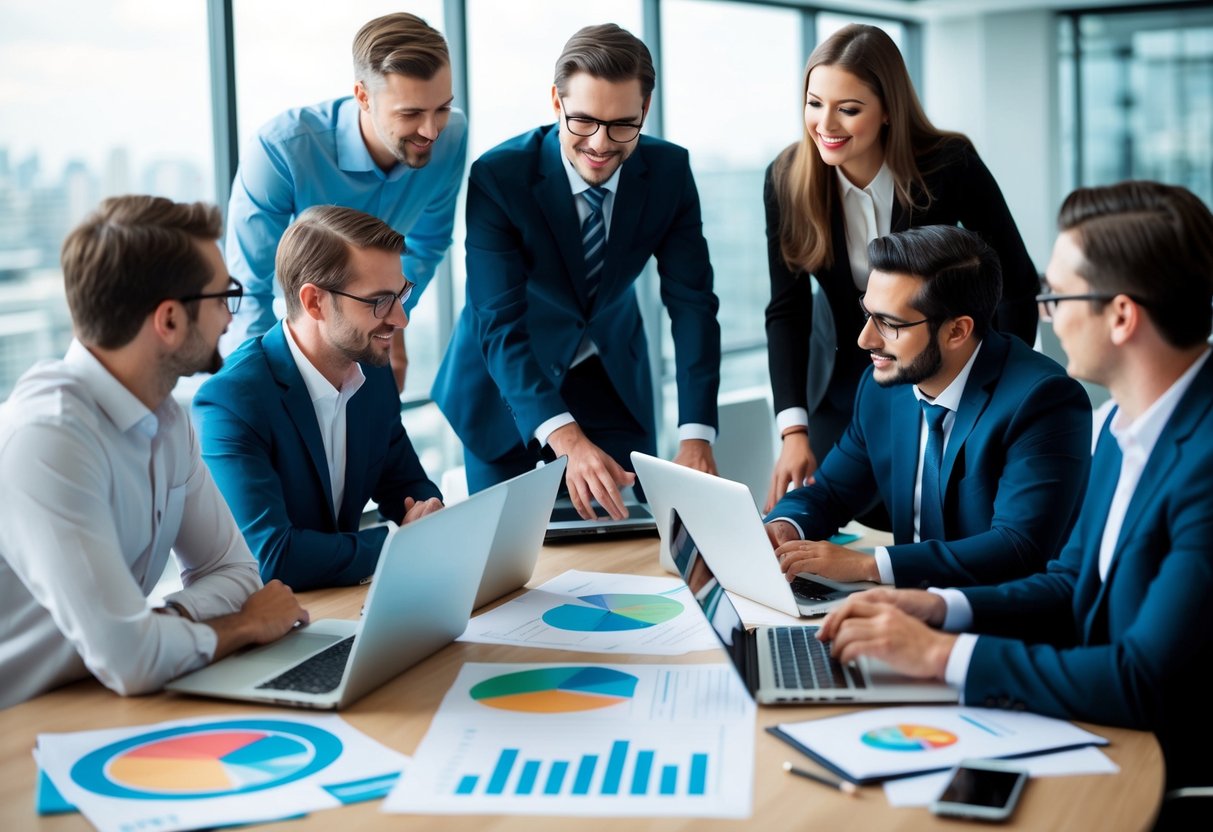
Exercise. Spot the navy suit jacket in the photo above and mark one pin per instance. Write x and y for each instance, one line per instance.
(261, 441)
(1013, 472)
(1129, 650)
(527, 308)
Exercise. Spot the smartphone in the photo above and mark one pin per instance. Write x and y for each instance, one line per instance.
(982, 790)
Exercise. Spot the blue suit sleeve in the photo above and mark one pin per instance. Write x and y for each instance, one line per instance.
(430, 237)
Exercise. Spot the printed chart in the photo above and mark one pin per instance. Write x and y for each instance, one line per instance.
(552, 690)
(908, 738)
(612, 612)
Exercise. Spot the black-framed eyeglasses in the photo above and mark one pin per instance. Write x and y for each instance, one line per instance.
(1047, 301)
(381, 305)
(233, 296)
(622, 132)
(884, 327)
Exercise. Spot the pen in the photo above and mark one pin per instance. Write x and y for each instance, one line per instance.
(841, 785)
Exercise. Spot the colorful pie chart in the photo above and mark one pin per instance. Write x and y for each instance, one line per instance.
(612, 613)
(908, 738)
(555, 690)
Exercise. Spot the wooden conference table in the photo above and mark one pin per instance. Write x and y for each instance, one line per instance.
(399, 713)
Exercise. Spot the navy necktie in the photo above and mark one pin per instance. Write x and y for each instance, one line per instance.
(930, 511)
(593, 239)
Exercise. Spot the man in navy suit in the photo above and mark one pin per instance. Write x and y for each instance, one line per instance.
(990, 493)
(549, 355)
(302, 426)
(1117, 630)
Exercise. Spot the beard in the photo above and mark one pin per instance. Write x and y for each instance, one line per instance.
(924, 365)
(195, 356)
(361, 347)
(410, 156)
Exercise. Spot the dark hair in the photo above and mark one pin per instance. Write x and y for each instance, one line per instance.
(400, 44)
(127, 257)
(608, 52)
(316, 249)
(1151, 241)
(960, 274)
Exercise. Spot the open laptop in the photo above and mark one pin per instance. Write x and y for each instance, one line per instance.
(567, 523)
(524, 520)
(788, 665)
(419, 602)
(731, 532)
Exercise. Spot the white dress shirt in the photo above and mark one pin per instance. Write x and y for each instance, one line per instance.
(587, 347)
(1136, 440)
(330, 406)
(867, 214)
(95, 490)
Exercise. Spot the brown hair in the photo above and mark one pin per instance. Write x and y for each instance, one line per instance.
(401, 44)
(1150, 241)
(608, 52)
(128, 256)
(806, 186)
(316, 249)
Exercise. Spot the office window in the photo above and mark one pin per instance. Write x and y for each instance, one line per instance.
(830, 22)
(96, 100)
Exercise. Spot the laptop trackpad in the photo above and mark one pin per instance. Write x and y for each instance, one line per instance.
(289, 650)
(881, 673)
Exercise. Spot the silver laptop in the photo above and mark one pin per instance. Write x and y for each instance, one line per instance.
(731, 532)
(566, 522)
(788, 665)
(418, 603)
(524, 520)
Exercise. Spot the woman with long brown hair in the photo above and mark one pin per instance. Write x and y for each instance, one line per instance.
(869, 163)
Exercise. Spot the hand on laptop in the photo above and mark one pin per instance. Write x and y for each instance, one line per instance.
(696, 454)
(927, 607)
(591, 474)
(864, 626)
(820, 557)
(414, 510)
(269, 613)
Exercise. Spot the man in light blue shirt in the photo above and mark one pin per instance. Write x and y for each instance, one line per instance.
(396, 150)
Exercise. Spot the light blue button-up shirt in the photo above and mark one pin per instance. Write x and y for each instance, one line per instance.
(316, 156)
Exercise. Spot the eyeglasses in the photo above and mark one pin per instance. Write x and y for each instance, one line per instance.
(1047, 301)
(381, 305)
(617, 131)
(233, 296)
(884, 327)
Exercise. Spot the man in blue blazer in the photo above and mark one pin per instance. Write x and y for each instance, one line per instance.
(549, 354)
(998, 494)
(302, 426)
(1117, 630)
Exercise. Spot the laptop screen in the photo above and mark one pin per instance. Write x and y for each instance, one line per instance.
(709, 594)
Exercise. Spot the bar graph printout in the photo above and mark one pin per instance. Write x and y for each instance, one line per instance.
(587, 739)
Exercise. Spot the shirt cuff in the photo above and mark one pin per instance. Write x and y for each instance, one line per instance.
(692, 430)
(884, 564)
(791, 417)
(550, 426)
(958, 663)
(959, 616)
(792, 523)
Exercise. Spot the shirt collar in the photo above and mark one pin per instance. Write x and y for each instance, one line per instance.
(352, 153)
(881, 184)
(578, 184)
(117, 402)
(1145, 430)
(950, 397)
(318, 387)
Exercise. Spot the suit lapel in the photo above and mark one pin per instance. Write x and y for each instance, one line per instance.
(630, 196)
(982, 379)
(298, 404)
(556, 201)
(905, 423)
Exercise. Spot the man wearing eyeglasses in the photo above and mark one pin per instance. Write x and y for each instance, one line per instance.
(978, 446)
(549, 356)
(100, 474)
(302, 427)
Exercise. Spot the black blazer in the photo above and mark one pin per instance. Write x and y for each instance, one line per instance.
(962, 193)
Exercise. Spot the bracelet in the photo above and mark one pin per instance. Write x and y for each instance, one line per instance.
(793, 430)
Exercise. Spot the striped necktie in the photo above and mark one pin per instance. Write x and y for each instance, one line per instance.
(593, 239)
(930, 510)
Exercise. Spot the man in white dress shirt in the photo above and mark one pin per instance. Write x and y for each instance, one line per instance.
(100, 471)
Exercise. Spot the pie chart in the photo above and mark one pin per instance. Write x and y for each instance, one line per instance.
(556, 690)
(612, 613)
(209, 760)
(908, 738)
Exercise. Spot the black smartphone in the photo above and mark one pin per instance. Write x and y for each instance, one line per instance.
(981, 790)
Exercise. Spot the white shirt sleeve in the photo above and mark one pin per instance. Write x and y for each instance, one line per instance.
(547, 428)
(693, 430)
(884, 564)
(959, 615)
(957, 670)
(791, 417)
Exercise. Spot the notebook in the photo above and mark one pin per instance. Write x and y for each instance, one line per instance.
(419, 601)
(731, 531)
(788, 665)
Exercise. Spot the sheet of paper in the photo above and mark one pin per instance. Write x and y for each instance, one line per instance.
(754, 614)
(586, 739)
(205, 772)
(924, 789)
(598, 612)
(887, 742)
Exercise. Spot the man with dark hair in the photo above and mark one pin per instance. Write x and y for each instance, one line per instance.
(1117, 630)
(978, 446)
(100, 474)
(549, 355)
(396, 150)
(303, 425)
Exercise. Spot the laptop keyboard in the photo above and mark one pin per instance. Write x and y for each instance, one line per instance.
(320, 674)
(802, 662)
(806, 590)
